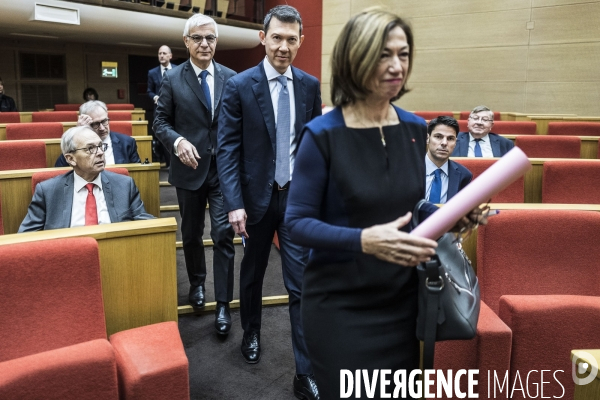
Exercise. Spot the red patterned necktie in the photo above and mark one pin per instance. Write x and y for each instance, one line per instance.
(91, 212)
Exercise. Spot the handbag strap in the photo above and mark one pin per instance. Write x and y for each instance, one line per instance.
(434, 284)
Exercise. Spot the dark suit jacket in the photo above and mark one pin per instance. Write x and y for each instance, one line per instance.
(52, 202)
(182, 111)
(7, 104)
(500, 145)
(155, 79)
(458, 178)
(124, 150)
(246, 141)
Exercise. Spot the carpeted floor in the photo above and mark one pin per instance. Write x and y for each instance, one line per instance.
(217, 368)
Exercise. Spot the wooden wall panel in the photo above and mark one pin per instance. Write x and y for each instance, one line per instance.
(470, 65)
(566, 24)
(564, 62)
(527, 56)
(503, 28)
(581, 98)
(455, 96)
(420, 8)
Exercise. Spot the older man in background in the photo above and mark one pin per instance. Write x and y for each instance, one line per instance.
(480, 141)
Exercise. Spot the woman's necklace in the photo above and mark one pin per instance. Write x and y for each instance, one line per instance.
(372, 123)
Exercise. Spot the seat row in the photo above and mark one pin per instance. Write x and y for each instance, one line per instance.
(540, 293)
(110, 107)
(67, 116)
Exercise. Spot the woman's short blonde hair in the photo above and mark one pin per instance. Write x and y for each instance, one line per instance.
(357, 52)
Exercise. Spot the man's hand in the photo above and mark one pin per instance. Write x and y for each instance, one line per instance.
(84, 120)
(155, 99)
(237, 219)
(188, 154)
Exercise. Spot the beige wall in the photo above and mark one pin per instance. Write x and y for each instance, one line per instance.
(531, 56)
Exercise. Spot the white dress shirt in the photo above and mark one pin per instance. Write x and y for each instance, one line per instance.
(430, 168)
(210, 80)
(109, 155)
(80, 194)
(484, 143)
(275, 88)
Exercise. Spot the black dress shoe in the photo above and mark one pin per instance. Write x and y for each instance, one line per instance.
(222, 318)
(305, 387)
(251, 347)
(196, 297)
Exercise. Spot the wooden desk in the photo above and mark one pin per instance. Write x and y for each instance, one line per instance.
(138, 269)
(137, 114)
(541, 120)
(591, 391)
(138, 128)
(15, 187)
(53, 151)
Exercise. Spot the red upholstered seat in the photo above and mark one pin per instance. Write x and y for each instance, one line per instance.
(22, 154)
(514, 193)
(10, 118)
(545, 330)
(54, 343)
(507, 127)
(535, 268)
(67, 107)
(465, 115)
(1, 223)
(574, 128)
(118, 106)
(41, 176)
(544, 146)
(34, 130)
(119, 115)
(54, 116)
(121, 127)
(571, 182)
(429, 115)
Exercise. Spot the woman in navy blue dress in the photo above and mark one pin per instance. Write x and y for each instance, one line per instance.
(358, 174)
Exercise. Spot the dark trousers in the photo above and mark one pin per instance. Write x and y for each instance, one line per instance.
(192, 207)
(252, 273)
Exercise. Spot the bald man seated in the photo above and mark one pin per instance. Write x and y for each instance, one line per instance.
(88, 195)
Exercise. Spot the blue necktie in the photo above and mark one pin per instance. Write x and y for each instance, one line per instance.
(282, 165)
(477, 150)
(206, 90)
(435, 193)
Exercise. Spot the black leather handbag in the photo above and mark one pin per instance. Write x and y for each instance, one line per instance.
(449, 299)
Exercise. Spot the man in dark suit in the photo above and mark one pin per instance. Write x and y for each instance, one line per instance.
(155, 77)
(480, 141)
(7, 104)
(186, 124)
(264, 110)
(444, 177)
(67, 201)
(122, 149)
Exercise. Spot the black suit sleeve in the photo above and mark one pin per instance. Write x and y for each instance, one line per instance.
(229, 142)
(165, 115)
(151, 86)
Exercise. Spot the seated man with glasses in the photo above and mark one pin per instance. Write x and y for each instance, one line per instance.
(121, 149)
(88, 195)
(480, 141)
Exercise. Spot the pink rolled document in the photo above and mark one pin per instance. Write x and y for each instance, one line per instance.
(502, 173)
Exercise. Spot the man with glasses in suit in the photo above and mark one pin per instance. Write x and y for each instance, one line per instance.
(121, 149)
(87, 195)
(480, 141)
(186, 123)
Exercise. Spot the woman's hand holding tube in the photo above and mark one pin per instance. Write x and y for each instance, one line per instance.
(387, 242)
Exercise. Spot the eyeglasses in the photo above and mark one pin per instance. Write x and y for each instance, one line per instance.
(482, 119)
(198, 39)
(96, 125)
(93, 148)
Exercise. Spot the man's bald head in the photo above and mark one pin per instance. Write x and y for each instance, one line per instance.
(164, 55)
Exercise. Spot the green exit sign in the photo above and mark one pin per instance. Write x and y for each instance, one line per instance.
(109, 69)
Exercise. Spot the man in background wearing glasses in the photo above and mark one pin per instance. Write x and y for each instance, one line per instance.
(121, 148)
(186, 123)
(480, 141)
(88, 195)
